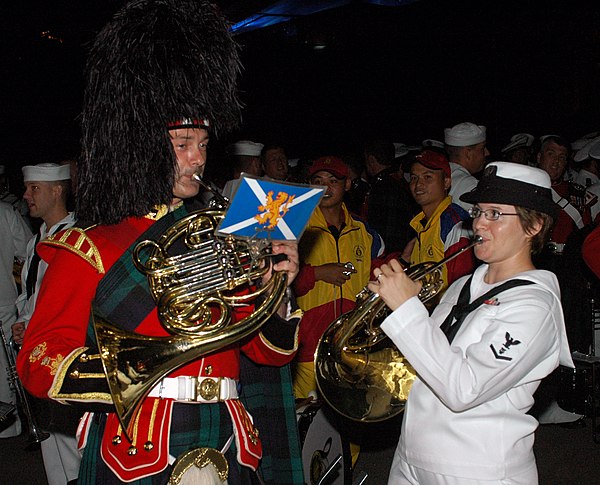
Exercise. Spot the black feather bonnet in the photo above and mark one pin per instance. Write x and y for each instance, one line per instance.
(156, 62)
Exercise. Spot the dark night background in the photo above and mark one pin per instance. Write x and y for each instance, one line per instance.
(403, 73)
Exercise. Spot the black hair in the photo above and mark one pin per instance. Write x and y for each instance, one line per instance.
(157, 61)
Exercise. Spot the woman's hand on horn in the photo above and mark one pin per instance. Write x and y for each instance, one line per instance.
(392, 284)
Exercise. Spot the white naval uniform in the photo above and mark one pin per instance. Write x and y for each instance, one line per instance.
(462, 182)
(59, 452)
(466, 413)
(14, 235)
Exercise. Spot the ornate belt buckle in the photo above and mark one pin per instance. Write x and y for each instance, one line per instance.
(209, 389)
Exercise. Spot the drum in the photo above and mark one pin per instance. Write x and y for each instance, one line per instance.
(325, 454)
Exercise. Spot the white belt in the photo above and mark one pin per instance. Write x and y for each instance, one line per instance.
(196, 389)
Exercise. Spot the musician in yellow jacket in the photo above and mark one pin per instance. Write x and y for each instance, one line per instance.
(440, 224)
(335, 255)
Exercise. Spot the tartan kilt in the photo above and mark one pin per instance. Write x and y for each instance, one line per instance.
(192, 426)
(268, 396)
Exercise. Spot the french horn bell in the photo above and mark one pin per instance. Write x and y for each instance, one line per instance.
(195, 278)
(360, 373)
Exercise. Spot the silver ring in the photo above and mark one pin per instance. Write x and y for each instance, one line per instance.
(379, 276)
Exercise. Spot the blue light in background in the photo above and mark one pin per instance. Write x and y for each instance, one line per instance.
(285, 10)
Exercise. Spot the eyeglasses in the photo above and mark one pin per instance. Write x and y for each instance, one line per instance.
(489, 214)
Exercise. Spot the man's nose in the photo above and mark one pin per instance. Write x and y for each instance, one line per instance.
(198, 158)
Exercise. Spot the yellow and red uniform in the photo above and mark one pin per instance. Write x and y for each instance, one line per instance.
(320, 301)
(441, 236)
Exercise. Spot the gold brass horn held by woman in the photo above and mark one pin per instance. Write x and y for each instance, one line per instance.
(195, 292)
(359, 371)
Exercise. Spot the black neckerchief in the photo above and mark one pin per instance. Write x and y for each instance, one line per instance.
(462, 308)
(34, 264)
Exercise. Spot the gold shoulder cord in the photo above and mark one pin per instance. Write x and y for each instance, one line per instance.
(78, 242)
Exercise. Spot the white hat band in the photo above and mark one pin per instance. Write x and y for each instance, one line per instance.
(245, 147)
(464, 135)
(46, 172)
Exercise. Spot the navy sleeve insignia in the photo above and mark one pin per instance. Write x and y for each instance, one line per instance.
(509, 342)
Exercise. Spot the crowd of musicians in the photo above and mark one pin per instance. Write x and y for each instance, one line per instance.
(516, 228)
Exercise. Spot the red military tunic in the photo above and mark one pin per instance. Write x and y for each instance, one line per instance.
(60, 322)
(77, 262)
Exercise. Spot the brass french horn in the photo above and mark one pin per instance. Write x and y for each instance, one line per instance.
(359, 371)
(195, 291)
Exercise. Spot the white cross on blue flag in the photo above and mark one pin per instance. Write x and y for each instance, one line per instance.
(269, 209)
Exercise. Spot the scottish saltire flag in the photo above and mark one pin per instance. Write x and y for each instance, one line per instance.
(270, 209)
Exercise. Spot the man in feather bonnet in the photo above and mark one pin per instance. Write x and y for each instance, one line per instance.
(161, 79)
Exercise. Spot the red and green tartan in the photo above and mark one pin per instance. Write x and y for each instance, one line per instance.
(123, 298)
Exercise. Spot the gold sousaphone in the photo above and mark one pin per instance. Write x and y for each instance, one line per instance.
(359, 371)
(195, 290)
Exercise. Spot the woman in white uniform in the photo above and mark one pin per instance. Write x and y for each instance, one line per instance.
(480, 361)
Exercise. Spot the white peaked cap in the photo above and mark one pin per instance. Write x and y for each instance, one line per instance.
(429, 143)
(520, 140)
(595, 149)
(584, 140)
(400, 149)
(585, 151)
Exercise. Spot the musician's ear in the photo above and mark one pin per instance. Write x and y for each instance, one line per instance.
(535, 228)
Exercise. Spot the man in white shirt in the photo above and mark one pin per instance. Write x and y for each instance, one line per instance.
(14, 234)
(245, 155)
(47, 187)
(467, 152)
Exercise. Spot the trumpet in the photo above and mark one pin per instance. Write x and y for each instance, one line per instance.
(36, 435)
(359, 371)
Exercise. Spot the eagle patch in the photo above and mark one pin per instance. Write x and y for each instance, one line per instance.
(504, 348)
